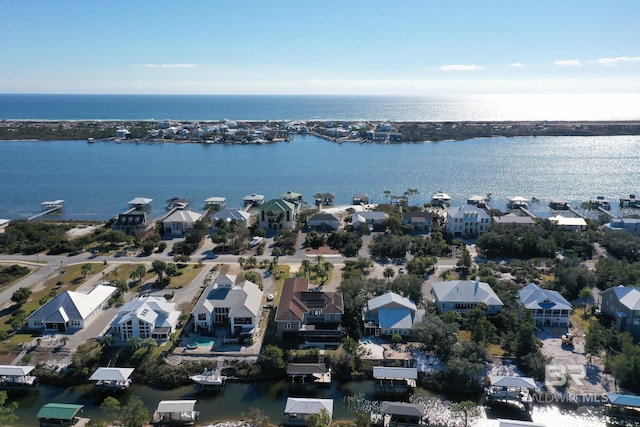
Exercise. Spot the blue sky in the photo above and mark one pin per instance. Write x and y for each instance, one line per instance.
(419, 47)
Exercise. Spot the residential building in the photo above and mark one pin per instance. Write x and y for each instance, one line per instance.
(180, 221)
(515, 219)
(133, 222)
(571, 224)
(145, 317)
(226, 304)
(467, 221)
(631, 225)
(622, 303)
(323, 221)
(547, 307)
(420, 221)
(242, 218)
(465, 295)
(373, 219)
(70, 310)
(277, 214)
(309, 317)
(391, 314)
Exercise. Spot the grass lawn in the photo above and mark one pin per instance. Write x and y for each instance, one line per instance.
(188, 274)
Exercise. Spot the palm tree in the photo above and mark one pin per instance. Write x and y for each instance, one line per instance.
(388, 273)
(585, 293)
(387, 194)
(306, 266)
(445, 274)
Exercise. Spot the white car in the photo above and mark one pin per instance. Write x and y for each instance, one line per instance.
(256, 241)
(270, 297)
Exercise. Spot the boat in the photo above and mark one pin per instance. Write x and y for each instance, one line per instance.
(441, 199)
(91, 141)
(177, 202)
(209, 378)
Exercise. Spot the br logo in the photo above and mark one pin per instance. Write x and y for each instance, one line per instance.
(558, 375)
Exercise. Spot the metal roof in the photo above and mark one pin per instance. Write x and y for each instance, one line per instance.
(166, 406)
(15, 371)
(395, 373)
(512, 382)
(308, 406)
(59, 411)
(111, 374)
(624, 400)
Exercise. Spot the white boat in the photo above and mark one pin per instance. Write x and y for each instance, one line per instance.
(212, 378)
(91, 141)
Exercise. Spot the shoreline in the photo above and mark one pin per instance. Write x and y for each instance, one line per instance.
(402, 131)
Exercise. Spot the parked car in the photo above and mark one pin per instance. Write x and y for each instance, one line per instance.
(255, 241)
(270, 297)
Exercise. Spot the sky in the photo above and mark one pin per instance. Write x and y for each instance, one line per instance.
(355, 47)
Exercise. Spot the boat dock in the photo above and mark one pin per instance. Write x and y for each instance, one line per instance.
(527, 212)
(47, 208)
(510, 391)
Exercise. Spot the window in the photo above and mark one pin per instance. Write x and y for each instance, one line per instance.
(202, 316)
(288, 325)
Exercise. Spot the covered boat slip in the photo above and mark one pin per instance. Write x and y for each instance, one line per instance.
(17, 377)
(395, 379)
(175, 413)
(112, 378)
(61, 414)
(622, 409)
(309, 373)
(510, 390)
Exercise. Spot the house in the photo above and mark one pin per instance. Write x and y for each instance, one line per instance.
(465, 295)
(309, 316)
(622, 303)
(631, 225)
(373, 219)
(277, 214)
(325, 199)
(547, 307)
(238, 307)
(467, 221)
(418, 220)
(180, 221)
(145, 317)
(403, 414)
(323, 221)
(133, 223)
(571, 224)
(391, 314)
(515, 219)
(361, 199)
(242, 218)
(71, 310)
(298, 409)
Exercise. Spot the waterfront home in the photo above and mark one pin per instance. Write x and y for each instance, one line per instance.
(277, 214)
(298, 409)
(547, 307)
(467, 221)
(420, 221)
(361, 199)
(441, 200)
(323, 221)
(242, 218)
(4, 223)
(253, 200)
(465, 295)
(403, 414)
(477, 201)
(71, 310)
(145, 317)
(215, 203)
(309, 316)
(176, 413)
(631, 225)
(515, 219)
(224, 303)
(61, 415)
(133, 223)
(309, 373)
(570, 224)
(112, 378)
(325, 199)
(373, 219)
(17, 377)
(622, 303)
(391, 314)
(393, 379)
(180, 221)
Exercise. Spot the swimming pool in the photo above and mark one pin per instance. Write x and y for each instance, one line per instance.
(202, 342)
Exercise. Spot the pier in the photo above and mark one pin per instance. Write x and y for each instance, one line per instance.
(510, 391)
(527, 212)
(47, 208)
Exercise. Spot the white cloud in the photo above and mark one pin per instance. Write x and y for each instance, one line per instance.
(615, 61)
(517, 65)
(169, 65)
(568, 63)
(460, 67)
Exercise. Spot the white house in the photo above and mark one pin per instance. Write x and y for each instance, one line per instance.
(467, 221)
(547, 307)
(180, 221)
(391, 314)
(573, 224)
(373, 219)
(225, 303)
(145, 317)
(465, 295)
(71, 310)
(242, 218)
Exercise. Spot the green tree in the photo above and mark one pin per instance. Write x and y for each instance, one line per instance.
(86, 269)
(7, 412)
(272, 359)
(21, 295)
(134, 413)
(159, 267)
(467, 412)
(388, 273)
(111, 406)
(256, 417)
(323, 419)
(585, 294)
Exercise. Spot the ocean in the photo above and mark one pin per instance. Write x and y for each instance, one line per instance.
(591, 107)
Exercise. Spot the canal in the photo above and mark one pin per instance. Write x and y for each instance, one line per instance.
(237, 398)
